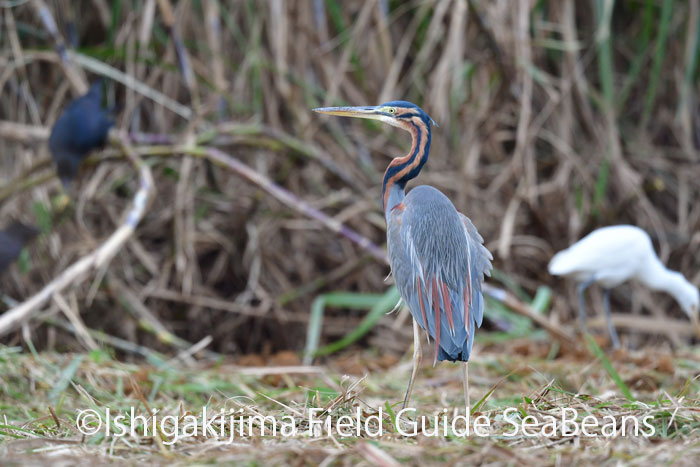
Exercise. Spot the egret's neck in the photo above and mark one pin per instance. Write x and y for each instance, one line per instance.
(656, 276)
(403, 169)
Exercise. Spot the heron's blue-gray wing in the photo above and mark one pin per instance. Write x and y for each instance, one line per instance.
(480, 265)
(438, 262)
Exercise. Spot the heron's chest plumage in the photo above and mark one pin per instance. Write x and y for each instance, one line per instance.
(438, 266)
(425, 231)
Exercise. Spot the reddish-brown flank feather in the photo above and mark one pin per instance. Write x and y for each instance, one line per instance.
(436, 311)
(447, 304)
(467, 304)
(468, 289)
(469, 275)
(422, 305)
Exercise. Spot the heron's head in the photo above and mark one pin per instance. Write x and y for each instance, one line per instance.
(400, 114)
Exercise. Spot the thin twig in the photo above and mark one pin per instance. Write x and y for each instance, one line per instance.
(116, 342)
(74, 74)
(287, 197)
(646, 324)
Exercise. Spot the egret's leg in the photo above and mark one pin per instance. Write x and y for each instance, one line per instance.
(465, 375)
(582, 303)
(611, 328)
(417, 356)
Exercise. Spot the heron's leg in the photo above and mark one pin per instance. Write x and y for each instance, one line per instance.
(417, 356)
(582, 303)
(465, 375)
(611, 328)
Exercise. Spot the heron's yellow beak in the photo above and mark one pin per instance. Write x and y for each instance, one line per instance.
(372, 113)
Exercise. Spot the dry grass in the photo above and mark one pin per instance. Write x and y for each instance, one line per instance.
(41, 408)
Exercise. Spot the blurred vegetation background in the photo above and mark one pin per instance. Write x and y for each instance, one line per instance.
(555, 117)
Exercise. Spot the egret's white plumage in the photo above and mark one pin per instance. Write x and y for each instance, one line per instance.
(612, 255)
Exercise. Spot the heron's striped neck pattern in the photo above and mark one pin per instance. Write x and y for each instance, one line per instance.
(403, 169)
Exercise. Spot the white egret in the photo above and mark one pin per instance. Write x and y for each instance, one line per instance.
(612, 255)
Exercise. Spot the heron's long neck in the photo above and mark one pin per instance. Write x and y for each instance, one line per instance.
(403, 169)
(656, 276)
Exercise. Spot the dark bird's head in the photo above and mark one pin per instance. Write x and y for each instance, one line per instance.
(12, 239)
(401, 114)
(81, 128)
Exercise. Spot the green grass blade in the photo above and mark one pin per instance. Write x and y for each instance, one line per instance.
(362, 301)
(65, 378)
(488, 394)
(598, 352)
(659, 55)
(383, 306)
(542, 298)
(15, 428)
(355, 301)
(482, 400)
(392, 414)
(604, 11)
(691, 66)
(601, 186)
(633, 76)
(313, 331)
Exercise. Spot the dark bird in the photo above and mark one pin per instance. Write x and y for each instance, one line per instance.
(436, 255)
(12, 240)
(81, 128)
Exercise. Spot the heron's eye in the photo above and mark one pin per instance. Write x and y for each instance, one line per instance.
(392, 111)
